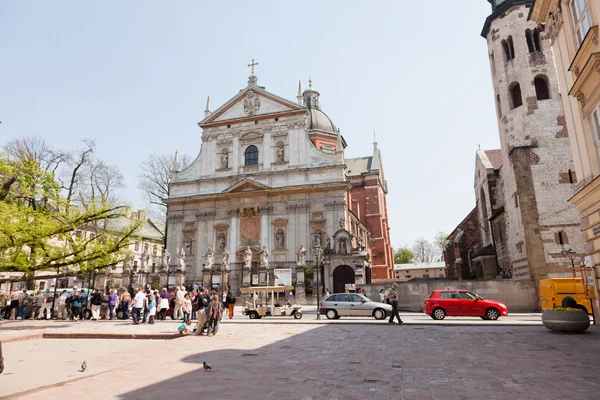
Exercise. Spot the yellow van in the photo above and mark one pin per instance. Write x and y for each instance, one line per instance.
(554, 290)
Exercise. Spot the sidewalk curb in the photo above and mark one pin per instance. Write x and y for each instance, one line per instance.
(53, 385)
(85, 335)
(23, 338)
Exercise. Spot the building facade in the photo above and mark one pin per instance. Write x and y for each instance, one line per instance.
(572, 30)
(271, 189)
(406, 272)
(522, 189)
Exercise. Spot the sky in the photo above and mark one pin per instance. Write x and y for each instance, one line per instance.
(134, 76)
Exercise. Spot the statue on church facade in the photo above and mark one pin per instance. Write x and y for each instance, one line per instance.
(264, 257)
(342, 223)
(225, 262)
(247, 258)
(359, 242)
(224, 159)
(318, 238)
(221, 241)
(209, 257)
(301, 255)
(144, 261)
(343, 245)
(280, 238)
(280, 154)
(181, 259)
(165, 259)
(328, 243)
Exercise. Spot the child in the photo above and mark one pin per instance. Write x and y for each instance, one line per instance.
(151, 309)
(184, 328)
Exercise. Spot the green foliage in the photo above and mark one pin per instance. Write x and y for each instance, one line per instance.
(403, 255)
(309, 275)
(39, 225)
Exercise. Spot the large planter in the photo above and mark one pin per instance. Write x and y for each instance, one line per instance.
(566, 321)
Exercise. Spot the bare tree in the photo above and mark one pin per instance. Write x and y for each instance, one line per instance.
(423, 251)
(155, 179)
(35, 148)
(439, 244)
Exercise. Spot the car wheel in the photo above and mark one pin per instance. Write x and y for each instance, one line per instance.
(582, 308)
(438, 314)
(379, 314)
(492, 314)
(297, 315)
(252, 315)
(331, 314)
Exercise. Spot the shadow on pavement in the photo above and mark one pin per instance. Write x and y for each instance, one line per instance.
(392, 361)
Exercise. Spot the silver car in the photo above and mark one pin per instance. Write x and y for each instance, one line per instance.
(353, 305)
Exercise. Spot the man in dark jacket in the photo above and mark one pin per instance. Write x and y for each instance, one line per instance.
(96, 301)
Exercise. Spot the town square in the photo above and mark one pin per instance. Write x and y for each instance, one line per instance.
(318, 200)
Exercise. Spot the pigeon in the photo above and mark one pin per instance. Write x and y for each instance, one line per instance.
(206, 366)
(83, 366)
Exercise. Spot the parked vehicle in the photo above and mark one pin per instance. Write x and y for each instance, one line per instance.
(553, 291)
(266, 301)
(353, 305)
(462, 303)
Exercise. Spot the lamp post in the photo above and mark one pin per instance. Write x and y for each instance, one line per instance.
(318, 260)
(570, 254)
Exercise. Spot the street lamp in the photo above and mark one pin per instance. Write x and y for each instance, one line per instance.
(318, 260)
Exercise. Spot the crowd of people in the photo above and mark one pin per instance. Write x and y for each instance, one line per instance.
(141, 305)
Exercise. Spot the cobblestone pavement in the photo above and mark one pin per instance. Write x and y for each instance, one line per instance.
(258, 361)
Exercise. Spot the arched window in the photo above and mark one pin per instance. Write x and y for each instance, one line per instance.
(509, 49)
(515, 96)
(483, 205)
(498, 106)
(533, 40)
(251, 156)
(542, 92)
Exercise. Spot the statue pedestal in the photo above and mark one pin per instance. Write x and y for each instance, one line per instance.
(100, 281)
(179, 278)
(206, 277)
(163, 278)
(300, 292)
(264, 277)
(246, 277)
(126, 279)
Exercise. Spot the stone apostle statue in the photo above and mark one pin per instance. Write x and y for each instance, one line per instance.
(301, 253)
(248, 258)
(225, 261)
(209, 257)
(280, 239)
(181, 260)
(264, 257)
(144, 261)
(165, 259)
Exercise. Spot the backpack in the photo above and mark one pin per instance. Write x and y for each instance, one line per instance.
(49, 299)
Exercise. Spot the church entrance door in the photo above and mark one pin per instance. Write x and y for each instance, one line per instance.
(342, 275)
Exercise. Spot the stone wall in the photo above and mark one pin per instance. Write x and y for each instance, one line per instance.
(518, 295)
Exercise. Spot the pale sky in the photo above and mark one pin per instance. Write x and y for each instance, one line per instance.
(134, 76)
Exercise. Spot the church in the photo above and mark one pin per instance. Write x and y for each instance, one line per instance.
(271, 191)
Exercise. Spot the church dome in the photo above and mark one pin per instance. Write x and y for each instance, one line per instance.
(319, 121)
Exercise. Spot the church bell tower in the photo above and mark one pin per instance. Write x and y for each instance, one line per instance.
(537, 174)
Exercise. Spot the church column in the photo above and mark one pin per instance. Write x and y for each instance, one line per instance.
(235, 276)
(265, 228)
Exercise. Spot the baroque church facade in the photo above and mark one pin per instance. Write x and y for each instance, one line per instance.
(271, 189)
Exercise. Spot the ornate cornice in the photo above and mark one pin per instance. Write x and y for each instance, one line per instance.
(268, 210)
(295, 208)
(175, 217)
(204, 215)
(234, 212)
(336, 205)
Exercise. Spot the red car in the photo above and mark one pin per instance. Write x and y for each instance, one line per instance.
(462, 303)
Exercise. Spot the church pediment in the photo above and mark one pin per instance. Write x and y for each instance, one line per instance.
(246, 185)
(250, 102)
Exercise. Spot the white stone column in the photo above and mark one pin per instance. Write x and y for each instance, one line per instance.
(233, 235)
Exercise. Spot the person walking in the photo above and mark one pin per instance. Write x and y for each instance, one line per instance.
(46, 311)
(96, 301)
(230, 299)
(74, 302)
(382, 295)
(83, 302)
(326, 292)
(15, 302)
(200, 326)
(138, 304)
(62, 304)
(164, 304)
(179, 296)
(214, 314)
(187, 307)
(25, 301)
(125, 299)
(3, 299)
(151, 309)
(146, 304)
(112, 303)
(392, 296)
